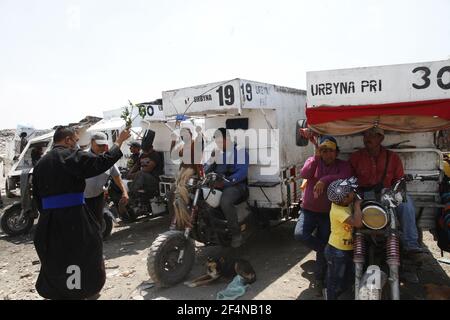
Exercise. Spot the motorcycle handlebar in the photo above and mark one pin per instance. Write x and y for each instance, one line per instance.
(421, 177)
(214, 177)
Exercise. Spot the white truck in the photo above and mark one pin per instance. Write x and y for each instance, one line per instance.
(267, 116)
(45, 141)
(411, 102)
(260, 117)
(18, 218)
(154, 119)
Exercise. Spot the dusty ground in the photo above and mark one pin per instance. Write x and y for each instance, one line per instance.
(283, 266)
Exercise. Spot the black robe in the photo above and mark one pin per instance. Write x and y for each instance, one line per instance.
(69, 236)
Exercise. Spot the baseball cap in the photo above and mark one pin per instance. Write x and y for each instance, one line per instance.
(328, 142)
(99, 138)
(339, 189)
(135, 144)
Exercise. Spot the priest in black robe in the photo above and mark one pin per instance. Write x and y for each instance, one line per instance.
(68, 239)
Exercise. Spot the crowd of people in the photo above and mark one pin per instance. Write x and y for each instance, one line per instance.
(68, 187)
(331, 208)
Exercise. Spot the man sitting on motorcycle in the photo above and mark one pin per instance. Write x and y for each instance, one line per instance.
(377, 168)
(145, 174)
(135, 150)
(233, 164)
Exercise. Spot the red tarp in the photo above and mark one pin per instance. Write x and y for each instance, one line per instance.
(431, 108)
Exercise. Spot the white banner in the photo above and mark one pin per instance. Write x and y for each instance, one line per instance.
(379, 85)
(233, 95)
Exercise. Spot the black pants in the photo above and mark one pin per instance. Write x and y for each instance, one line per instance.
(96, 206)
(230, 196)
(144, 181)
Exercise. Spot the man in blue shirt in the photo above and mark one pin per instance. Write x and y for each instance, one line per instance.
(233, 164)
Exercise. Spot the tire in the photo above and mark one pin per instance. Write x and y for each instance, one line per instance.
(107, 225)
(14, 228)
(162, 263)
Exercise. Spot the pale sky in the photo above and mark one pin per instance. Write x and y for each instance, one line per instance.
(62, 60)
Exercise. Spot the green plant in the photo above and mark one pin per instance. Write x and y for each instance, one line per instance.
(127, 113)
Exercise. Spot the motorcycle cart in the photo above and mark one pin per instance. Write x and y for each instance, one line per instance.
(411, 102)
(261, 118)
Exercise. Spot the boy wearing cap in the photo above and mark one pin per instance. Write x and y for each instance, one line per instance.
(320, 170)
(377, 168)
(338, 251)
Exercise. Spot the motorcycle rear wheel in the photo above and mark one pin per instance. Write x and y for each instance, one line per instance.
(10, 223)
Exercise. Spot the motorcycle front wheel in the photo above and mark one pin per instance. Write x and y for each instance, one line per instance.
(107, 225)
(11, 223)
(164, 264)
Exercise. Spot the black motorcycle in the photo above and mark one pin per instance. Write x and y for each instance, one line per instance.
(18, 218)
(139, 204)
(376, 245)
(199, 218)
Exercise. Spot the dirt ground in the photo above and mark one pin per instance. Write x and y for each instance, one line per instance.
(283, 266)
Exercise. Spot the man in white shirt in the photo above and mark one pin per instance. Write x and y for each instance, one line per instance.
(94, 192)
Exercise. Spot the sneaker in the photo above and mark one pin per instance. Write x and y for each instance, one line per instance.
(318, 286)
(236, 241)
(414, 251)
(416, 254)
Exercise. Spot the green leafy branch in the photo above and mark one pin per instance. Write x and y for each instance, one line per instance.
(127, 113)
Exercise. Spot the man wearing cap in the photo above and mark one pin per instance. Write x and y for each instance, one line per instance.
(377, 168)
(135, 149)
(319, 170)
(94, 192)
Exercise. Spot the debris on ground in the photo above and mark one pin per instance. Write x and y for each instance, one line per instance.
(127, 273)
(112, 273)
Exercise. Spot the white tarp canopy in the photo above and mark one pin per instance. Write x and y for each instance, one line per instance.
(227, 97)
(107, 124)
(407, 97)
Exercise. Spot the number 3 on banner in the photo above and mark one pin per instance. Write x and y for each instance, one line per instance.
(427, 81)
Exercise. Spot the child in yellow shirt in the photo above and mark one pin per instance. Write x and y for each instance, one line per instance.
(339, 250)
